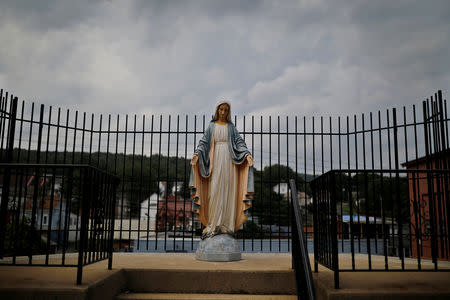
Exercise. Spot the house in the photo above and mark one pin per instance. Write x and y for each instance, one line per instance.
(50, 210)
(167, 211)
(428, 199)
(122, 206)
(174, 213)
(304, 199)
(177, 187)
(53, 215)
(149, 209)
(282, 188)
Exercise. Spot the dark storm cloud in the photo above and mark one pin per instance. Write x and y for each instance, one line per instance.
(402, 33)
(213, 9)
(44, 15)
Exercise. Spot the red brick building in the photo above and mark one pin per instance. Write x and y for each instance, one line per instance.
(174, 213)
(429, 203)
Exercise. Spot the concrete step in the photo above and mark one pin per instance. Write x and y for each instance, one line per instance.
(175, 296)
(263, 282)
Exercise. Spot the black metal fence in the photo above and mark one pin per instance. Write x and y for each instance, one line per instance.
(150, 155)
(401, 215)
(398, 217)
(51, 210)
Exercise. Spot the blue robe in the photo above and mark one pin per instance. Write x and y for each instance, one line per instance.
(201, 172)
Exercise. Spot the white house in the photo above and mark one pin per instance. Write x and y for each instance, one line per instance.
(281, 188)
(149, 208)
(176, 188)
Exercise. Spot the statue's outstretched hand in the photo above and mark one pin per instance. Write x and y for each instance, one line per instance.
(250, 160)
(194, 159)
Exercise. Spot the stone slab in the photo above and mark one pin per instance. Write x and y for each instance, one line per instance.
(184, 296)
(210, 281)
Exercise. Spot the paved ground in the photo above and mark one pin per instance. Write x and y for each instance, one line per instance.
(354, 285)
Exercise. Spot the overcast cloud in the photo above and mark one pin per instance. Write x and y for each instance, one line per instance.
(267, 57)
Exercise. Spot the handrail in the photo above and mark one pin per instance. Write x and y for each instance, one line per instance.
(300, 257)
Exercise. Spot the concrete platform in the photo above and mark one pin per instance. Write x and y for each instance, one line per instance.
(180, 276)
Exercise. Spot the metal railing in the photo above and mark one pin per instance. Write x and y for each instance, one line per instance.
(398, 217)
(150, 155)
(300, 256)
(52, 210)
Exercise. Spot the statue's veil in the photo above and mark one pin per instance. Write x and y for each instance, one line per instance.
(216, 113)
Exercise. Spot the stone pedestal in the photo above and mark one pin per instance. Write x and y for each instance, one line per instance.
(221, 247)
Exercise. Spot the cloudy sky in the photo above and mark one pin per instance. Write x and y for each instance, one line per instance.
(268, 57)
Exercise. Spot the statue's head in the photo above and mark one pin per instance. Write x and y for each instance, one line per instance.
(223, 111)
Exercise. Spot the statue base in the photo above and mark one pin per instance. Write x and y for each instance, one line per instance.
(222, 247)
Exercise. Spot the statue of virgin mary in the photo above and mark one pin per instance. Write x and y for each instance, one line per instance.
(221, 176)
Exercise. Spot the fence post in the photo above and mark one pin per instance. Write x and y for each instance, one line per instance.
(85, 211)
(36, 176)
(397, 192)
(333, 229)
(294, 229)
(444, 141)
(315, 226)
(426, 118)
(113, 185)
(7, 174)
(3, 116)
(445, 159)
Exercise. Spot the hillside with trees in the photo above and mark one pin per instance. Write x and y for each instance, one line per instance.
(139, 176)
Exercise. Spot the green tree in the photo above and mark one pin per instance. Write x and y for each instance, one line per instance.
(269, 206)
(251, 230)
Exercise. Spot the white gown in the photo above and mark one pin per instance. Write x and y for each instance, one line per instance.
(223, 185)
